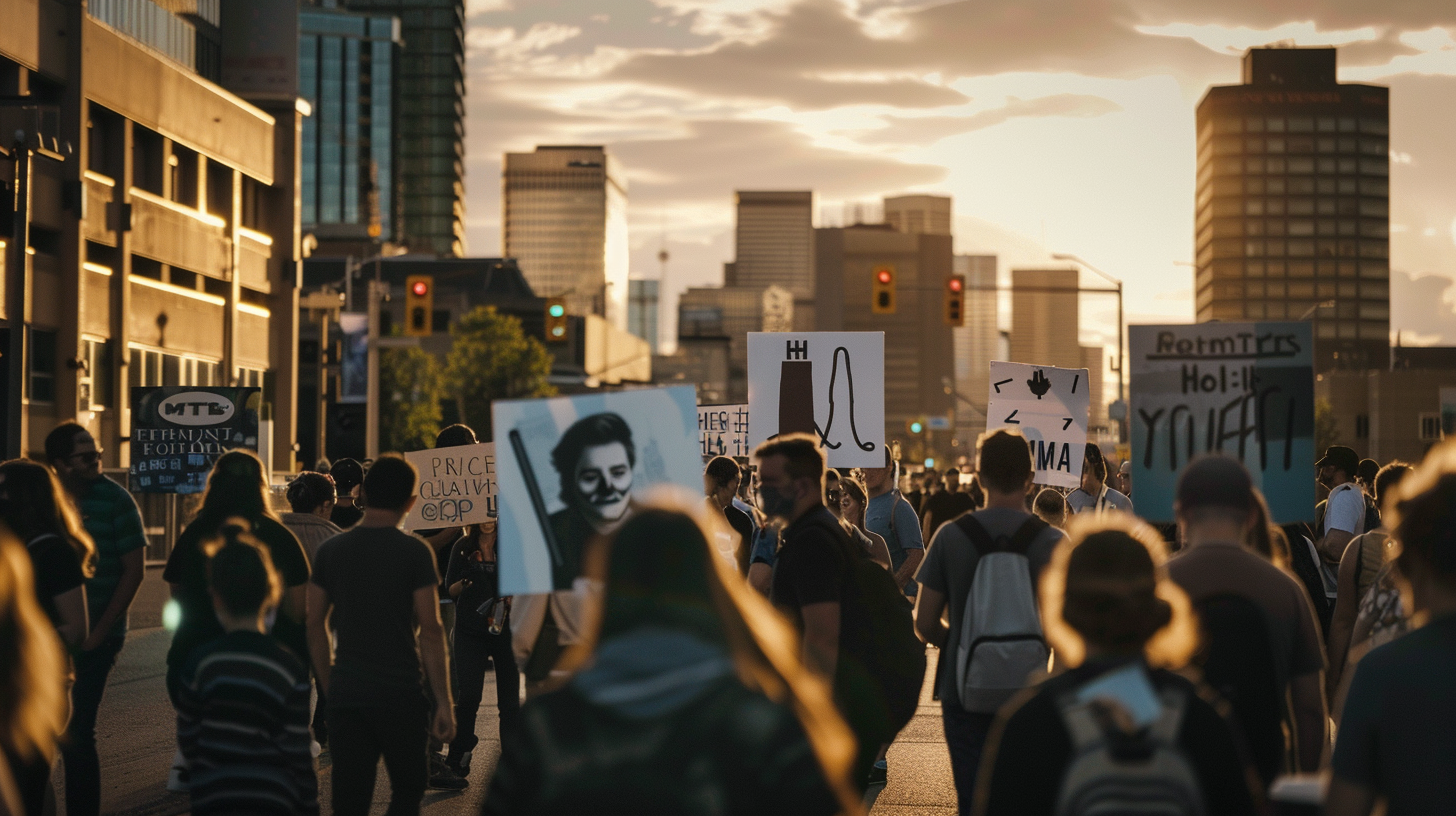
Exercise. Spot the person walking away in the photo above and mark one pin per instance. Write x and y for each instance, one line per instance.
(1094, 493)
(893, 518)
(914, 494)
(1365, 474)
(677, 664)
(720, 485)
(1261, 642)
(1050, 506)
(32, 687)
(852, 503)
(1120, 731)
(1397, 739)
(953, 580)
(242, 698)
(482, 638)
(110, 516)
(1344, 515)
(944, 505)
(313, 497)
(347, 474)
(376, 585)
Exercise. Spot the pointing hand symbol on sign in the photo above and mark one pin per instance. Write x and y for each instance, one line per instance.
(1039, 384)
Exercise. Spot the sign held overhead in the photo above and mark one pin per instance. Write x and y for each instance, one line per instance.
(828, 384)
(1048, 405)
(456, 486)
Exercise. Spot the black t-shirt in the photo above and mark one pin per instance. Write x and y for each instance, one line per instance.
(466, 562)
(813, 567)
(370, 575)
(942, 507)
(743, 526)
(187, 567)
(57, 571)
(345, 516)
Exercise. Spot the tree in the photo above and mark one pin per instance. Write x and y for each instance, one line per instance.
(493, 359)
(1326, 428)
(410, 387)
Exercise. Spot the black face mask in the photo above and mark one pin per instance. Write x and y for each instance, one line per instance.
(774, 503)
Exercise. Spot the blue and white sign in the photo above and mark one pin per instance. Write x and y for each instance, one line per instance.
(1049, 406)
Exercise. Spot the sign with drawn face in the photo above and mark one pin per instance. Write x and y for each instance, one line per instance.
(1243, 389)
(1049, 406)
(828, 384)
(723, 430)
(456, 486)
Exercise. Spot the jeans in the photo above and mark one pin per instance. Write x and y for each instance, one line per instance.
(472, 650)
(965, 735)
(358, 737)
(83, 768)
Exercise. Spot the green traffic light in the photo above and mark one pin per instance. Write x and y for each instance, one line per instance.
(916, 427)
(557, 310)
(558, 331)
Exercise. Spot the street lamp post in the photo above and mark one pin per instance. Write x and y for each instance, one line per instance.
(1121, 331)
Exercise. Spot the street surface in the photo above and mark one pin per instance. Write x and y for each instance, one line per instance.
(136, 737)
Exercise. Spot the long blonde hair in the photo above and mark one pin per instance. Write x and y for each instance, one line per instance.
(32, 664)
(663, 577)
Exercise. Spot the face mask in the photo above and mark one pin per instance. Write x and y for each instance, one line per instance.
(774, 503)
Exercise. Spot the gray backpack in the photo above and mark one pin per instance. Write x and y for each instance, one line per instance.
(1001, 641)
(1116, 773)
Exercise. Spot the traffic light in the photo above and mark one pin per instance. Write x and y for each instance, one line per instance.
(419, 305)
(955, 300)
(555, 320)
(915, 427)
(882, 288)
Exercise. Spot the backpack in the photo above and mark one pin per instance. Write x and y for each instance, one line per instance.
(1237, 659)
(1001, 639)
(1116, 773)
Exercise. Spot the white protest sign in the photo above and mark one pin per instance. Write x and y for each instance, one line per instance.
(456, 486)
(1049, 406)
(723, 430)
(829, 384)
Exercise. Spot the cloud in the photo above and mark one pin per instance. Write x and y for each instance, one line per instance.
(1421, 306)
(1235, 39)
(923, 130)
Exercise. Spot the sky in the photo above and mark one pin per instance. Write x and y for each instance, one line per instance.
(1057, 126)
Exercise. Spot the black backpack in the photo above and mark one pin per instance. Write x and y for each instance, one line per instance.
(1238, 662)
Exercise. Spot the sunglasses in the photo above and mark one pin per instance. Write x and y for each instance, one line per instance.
(834, 495)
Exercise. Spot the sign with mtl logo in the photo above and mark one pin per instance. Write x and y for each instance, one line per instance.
(179, 431)
(1049, 406)
(827, 384)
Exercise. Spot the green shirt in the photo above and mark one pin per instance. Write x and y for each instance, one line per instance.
(110, 515)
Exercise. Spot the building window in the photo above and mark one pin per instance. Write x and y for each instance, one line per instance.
(1430, 427)
(96, 388)
(1362, 426)
(42, 349)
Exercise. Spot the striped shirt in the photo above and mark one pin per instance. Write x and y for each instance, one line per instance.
(243, 725)
(110, 515)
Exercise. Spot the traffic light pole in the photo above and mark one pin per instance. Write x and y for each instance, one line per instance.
(371, 410)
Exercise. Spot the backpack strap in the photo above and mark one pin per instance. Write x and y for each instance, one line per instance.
(1027, 533)
(1018, 543)
(976, 532)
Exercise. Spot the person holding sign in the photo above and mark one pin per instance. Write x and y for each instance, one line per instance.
(1095, 494)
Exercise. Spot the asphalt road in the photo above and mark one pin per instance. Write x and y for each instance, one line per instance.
(136, 738)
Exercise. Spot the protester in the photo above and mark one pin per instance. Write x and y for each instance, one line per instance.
(947, 578)
(694, 674)
(62, 555)
(1050, 506)
(1123, 480)
(944, 505)
(32, 684)
(348, 475)
(1249, 608)
(1095, 494)
(852, 504)
(720, 485)
(376, 585)
(1365, 474)
(1397, 739)
(1265, 537)
(242, 699)
(1344, 514)
(111, 518)
(312, 497)
(894, 519)
(914, 494)
(1119, 732)
(482, 637)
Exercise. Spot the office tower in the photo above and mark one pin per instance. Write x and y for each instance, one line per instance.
(914, 214)
(1293, 203)
(918, 354)
(1092, 360)
(430, 126)
(564, 219)
(732, 312)
(1044, 318)
(976, 344)
(642, 310)
(773, 241)
(346, 67)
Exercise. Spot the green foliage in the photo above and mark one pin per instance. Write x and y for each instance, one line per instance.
(493, 359)
(411, 386)
(1326, 429)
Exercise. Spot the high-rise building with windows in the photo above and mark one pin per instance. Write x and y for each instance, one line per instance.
(346, 70)
(430, 126)
(976, 343)
(642, 309)
(1293, 203)
(773, 245)
(919, 213)
(564, 220)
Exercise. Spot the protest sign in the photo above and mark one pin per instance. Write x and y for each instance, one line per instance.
(179, 431)
(828, 384)
(723, 430)
(573, 468)
(1049, 406)
(456, 486)
(1245, 389)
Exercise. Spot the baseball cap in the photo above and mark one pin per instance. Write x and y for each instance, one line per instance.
(1341, 457)
(1215, 480)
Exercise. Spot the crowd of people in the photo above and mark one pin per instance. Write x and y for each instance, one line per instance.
(758, 649)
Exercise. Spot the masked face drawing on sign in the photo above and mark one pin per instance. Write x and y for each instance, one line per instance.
(594, 460)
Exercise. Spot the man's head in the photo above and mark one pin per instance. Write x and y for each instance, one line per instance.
(1050, 507)
(932, 480)
(311, 492)
(347, 475)
(790, 475)
(953, 480)
(1124, 477)
(241, 576)
(1338, 466)
(1215, 494)
(1094, 469)
(721, 478)
(390, 484)
(1003, 462)
(454, 436)
(1365, 474)
(831, 490)
(1386, 479)
(73, 453)
(594, 459)
(880, 479)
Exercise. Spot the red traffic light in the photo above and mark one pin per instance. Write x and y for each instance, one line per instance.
(884, 275)
(955, 284)
(420, 288)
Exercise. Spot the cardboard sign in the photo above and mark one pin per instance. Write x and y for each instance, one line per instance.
(828, 384)
(179, 431)
(456, 486)
(1244, 389)
(572, 469)
(723, 430)
(1049, 406)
